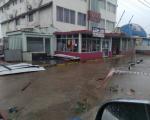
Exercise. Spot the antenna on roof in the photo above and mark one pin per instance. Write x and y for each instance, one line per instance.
(131, 19)
(120, 18)
(119, 21)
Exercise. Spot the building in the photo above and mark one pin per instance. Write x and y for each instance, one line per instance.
(137, 33)
(45, 17)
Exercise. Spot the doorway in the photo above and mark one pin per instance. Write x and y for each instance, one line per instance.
(105, 48)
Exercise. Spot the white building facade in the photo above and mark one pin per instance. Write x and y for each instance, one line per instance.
(62, 15)
(49, 16)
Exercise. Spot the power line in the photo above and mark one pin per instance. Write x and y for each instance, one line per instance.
(147, 2)
(137, 10)
(144, 3)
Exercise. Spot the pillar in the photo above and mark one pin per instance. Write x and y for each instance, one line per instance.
(80, 43)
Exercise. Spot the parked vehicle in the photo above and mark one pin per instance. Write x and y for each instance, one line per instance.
(124, 110)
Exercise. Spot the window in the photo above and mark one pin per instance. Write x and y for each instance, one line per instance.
(82, 19)
(90, 44)
(72, 17)
(66, 15)
(111, 7)
(60, 14)
(17, 21)
(31, 17)
(102, 4)
(110, 25)
(102, 23)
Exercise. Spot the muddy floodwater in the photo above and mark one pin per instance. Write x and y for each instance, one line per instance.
(66, 91)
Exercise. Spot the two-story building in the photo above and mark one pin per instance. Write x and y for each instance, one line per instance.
(29, 25)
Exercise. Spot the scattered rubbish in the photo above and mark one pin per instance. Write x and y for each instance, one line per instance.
(13, 110)
(82, 106)
(114, 88)
(100, 79)
(131, 65)
(19, 68)
(26, 86)
(131, 90)
(67, 56)
(139, 61)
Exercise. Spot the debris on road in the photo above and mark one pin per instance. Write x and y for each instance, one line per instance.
(13, 109)
(139, 61)
(82, 106)
(114, 88)
(19, 68)
(67, 56)
(131, 90)
(26, 86)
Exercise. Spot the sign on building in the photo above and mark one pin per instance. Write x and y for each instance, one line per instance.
(94, 16)
(98, 32)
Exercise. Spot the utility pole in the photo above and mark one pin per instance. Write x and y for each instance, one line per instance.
(133, 57)
(120, 19)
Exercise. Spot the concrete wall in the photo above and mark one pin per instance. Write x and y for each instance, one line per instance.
(47, 17)
(13, 55)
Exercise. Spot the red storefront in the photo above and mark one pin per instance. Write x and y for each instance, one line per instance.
(82, 44)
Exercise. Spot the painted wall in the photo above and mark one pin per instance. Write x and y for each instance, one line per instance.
(77, 6)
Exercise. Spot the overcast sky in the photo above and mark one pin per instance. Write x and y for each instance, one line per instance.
(139, 8)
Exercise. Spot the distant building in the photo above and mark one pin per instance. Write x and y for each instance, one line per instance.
(45, 17)
(135, 31)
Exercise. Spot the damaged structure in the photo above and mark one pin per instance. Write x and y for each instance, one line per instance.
(80, 28)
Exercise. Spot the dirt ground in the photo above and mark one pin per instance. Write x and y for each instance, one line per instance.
(59, 93)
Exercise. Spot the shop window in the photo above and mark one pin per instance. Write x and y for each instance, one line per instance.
(67, 44)
(91, 44)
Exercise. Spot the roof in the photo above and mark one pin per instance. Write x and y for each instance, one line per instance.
(133, 30)
(112, 34)
(74, 32)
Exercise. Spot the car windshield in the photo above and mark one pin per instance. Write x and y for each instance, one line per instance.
(62, 59)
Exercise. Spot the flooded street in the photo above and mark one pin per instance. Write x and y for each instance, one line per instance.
(70, 90)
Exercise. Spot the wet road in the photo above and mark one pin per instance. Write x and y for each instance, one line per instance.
(126, 84)
(61, 89)
(132, 84)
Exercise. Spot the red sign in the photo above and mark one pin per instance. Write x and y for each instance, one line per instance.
(94, 16)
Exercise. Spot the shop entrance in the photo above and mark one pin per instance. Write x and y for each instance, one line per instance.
(116, 46)
(105, 48)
